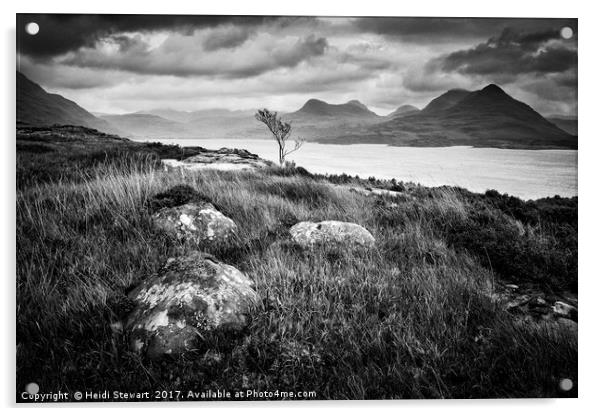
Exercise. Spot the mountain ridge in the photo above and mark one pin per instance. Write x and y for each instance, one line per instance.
(37, 107)
(488, 117)
(445, 100)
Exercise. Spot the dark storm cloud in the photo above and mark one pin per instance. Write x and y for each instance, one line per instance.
(514, 53)
(126, 62)
(429, 29)
(229, 38)
(263, 55)
(62, 33)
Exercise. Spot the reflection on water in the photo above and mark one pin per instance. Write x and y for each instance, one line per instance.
(528, 174)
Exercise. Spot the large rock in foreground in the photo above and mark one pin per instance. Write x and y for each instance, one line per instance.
(190, 296)
(308, 234)
(199, 222)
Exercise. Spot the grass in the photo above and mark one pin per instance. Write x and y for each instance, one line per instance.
(412, 318)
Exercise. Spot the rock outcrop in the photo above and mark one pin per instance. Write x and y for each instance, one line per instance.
(222, 159)
(536, 305)
(377, 192)
(189, 297)
(308, 234)
(198, 222)
(564, 310)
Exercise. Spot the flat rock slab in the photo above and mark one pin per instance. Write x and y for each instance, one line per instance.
(308, 234)
(190, 296)
(377, 191)
(198, 222)
(223, 159)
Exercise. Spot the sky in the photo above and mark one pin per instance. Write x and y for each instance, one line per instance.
(128, 63)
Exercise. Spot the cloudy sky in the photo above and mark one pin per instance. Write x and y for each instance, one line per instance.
(125, 63)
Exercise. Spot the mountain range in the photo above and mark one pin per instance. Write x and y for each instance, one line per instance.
(484, 118)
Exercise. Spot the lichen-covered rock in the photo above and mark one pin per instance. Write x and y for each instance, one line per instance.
(307, 234)
(199, 222)
(189, 296)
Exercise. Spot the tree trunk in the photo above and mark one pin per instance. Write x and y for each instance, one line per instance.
(281, 153)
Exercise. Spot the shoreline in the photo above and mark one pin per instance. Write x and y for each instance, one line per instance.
(465, 146)
(427, 174)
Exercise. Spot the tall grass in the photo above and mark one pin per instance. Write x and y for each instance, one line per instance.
(412, 318)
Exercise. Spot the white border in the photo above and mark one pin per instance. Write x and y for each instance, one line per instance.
(589, 190)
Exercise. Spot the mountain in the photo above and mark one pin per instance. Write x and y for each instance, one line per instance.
(193, 116)
(403, 110)
(146, 125)
(317, 108)
(484, 118)
(36, 107)
(445, 101)
(568, 124)
(169, 114)
(210, 123)
(318, 120)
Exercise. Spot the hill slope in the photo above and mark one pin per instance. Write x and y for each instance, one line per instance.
(445, 101)
(567, 124)
(36, 107)
(403, 110)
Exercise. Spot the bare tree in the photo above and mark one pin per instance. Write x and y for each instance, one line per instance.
(281, 130)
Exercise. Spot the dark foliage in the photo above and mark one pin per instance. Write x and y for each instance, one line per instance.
(34, 148)
(516, 254)
(306, 191)
(554, 210)
(61, 165)
(175, 196)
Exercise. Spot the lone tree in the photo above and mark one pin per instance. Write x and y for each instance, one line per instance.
(281, 131)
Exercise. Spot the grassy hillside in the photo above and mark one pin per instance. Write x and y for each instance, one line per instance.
(414, 318)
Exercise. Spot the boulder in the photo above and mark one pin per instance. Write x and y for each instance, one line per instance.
(307, 234)
(564, 310)
(199, 222)
(189, 297)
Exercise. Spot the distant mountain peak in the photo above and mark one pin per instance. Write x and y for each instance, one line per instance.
(357, 103)
(493, 89)
(457, 90)
(314, 101)
(353, 108)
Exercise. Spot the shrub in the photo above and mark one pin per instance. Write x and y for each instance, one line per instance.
(516, 254)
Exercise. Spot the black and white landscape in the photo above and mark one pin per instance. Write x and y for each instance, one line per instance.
(264, 207)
